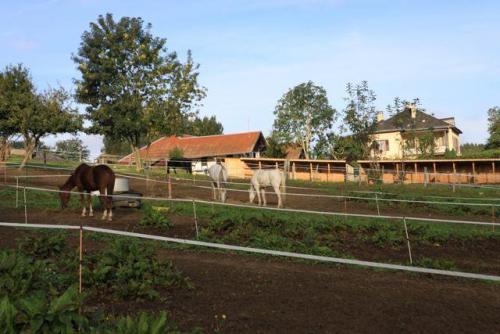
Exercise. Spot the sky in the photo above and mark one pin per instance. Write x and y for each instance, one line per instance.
(447, 53)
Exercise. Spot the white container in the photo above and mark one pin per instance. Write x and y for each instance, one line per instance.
(121, 185)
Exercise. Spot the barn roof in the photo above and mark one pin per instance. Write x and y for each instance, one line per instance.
(202, 147)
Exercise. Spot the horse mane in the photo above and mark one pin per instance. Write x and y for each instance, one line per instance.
(71, 181)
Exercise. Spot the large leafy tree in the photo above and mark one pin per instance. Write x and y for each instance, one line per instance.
(34, 115)
(16, 95)
(205, 126)
(359, 116)
(72, 149)
(134, 88)
(303, 116)
(493, 128)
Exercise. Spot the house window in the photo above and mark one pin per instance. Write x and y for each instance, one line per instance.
(382, 146)
(440, 141)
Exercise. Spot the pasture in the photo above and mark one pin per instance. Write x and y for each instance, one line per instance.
(260, 293)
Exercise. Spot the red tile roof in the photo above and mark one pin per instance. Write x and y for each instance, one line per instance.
(201, 147)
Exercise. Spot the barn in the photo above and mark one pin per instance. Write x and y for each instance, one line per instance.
(202, 150)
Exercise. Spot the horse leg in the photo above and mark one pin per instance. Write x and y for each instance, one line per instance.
(109, 199)
(277, 191)
(104, 202)
(82, 203)
(257, 190)
(213, 190)
(89, 200)
(264, 196)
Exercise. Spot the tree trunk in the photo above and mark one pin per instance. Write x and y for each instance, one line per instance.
(4, 149)
(29, 147)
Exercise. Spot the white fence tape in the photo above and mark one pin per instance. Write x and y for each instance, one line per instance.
(369, 264)
(326, 213)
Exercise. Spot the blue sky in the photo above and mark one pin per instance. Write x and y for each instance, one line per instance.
(447, 53)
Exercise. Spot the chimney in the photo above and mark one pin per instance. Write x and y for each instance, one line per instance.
(413, 109)
(449, 120)
(380, 116)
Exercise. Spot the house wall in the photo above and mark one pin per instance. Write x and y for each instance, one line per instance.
(444, 139)
(394, 139)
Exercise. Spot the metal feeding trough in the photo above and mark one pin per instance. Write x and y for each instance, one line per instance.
(122, 188)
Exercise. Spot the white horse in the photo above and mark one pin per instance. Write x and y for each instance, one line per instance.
(218, 175)
(262, 179)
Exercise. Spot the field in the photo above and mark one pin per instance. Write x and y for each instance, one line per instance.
(235, 291)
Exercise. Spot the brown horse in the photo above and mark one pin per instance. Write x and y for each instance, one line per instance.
(87, 179)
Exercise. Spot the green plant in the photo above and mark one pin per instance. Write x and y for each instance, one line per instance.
(154, 217)
(37, 313)
(130, 269)
(43, 247)
(145, 323)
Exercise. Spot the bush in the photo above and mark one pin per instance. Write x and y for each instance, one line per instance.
(130, 270)
(43, 247)
(154, 217)
(38, 314)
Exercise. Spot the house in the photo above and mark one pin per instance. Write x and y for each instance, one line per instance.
(201, 150)
(402, 135)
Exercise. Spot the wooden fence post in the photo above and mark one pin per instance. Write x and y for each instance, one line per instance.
(17, 192)
(25, 207)
(169, 184)
(80, 281)
(454, 176)
(376, 200)
(328, 172)
(426, 177)
(195, 219)
(407, 240)
(493, 218)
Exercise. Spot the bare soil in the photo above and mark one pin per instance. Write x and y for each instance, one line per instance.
(269, 295)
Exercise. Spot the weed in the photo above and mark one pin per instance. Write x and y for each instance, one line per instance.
(154, 217)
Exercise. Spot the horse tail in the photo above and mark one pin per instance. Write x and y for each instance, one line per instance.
(109, 190)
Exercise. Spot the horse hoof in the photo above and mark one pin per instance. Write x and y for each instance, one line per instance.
(110, 220)
(91, 215)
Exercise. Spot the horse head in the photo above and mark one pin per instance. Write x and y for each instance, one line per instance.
(252, 194)
(64, 196)
(223, 195)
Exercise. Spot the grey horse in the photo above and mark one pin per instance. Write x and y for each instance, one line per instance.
(218, 175)
(264, 178)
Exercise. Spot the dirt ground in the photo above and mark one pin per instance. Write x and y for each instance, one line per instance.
(200, 189)
(269, 295)
(276, 295)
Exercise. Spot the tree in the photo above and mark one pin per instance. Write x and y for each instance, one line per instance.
(205, 126)
(34, 115)
(412, 142)
(303, 116)
(275, 148)
(117, 146)
(72, 149)
(15, 95)
(359, 119)
(493, 128)
(135, 90)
